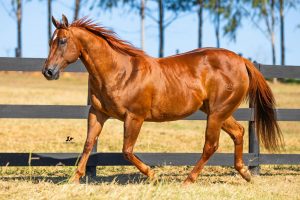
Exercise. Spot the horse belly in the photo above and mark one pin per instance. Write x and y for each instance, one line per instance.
(170, 107)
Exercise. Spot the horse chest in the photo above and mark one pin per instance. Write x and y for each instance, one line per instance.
(107, 105)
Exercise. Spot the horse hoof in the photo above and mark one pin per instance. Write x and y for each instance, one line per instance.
(245, 173)
(74, 180)
(151, 175)
(77, 182)
(187, 182)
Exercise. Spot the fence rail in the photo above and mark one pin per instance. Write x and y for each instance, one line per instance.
(81, 112)
(252, 159)
(152, 159)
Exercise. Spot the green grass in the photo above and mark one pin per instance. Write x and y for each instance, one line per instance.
(49, 135)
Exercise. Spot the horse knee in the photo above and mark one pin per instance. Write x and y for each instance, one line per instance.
(211, 148)
(127, 155)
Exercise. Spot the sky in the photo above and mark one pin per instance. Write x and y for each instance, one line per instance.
(181, 34)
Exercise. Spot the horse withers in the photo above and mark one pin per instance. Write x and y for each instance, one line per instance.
(129, 85)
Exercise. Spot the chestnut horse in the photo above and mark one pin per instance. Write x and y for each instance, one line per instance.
(127, 84)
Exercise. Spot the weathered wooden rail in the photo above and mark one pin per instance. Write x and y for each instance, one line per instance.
(253, 158)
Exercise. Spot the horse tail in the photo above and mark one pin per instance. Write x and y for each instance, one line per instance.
(260, 94)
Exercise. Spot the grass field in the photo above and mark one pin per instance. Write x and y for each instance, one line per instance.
(49, 135)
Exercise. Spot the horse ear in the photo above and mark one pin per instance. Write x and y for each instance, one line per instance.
(55, 22)
(65, 21)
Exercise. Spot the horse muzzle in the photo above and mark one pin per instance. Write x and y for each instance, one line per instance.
(51, 73)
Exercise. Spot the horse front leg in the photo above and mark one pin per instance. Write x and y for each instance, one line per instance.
(132, 127)
(212, 135)
(95, 123)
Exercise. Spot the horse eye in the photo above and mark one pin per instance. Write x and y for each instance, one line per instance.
(62, 41)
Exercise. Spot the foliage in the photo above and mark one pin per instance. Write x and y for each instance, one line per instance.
(109, 5)
(233, 15)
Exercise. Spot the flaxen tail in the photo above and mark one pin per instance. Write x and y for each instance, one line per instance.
(267, 128)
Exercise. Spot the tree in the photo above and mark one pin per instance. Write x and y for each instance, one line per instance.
(142, 15)
(77, 9)
(232, 16)
(162, 27)
(200, 21)
(215, 10)
(109, 5)
(271, 30)
(49, 8)
(18, 12)
(217, 14)
(160, 20)
(175, 7)
(172, 6)
(229, 13)
(265, 10)
(283, 6)
(196, 6)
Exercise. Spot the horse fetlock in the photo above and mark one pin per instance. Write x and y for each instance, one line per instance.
(239, 166)
(80, 172)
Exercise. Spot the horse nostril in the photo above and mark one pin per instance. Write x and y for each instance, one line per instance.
(49, 72)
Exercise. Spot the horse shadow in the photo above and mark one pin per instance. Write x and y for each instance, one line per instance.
(121, 179)
(137, 178)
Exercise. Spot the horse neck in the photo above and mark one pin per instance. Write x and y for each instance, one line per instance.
(101, 61)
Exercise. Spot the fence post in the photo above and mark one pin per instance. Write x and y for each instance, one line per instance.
(253, 140)
(91, 170)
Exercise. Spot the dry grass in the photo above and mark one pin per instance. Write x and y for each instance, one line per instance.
(44, 135)
(266, 187)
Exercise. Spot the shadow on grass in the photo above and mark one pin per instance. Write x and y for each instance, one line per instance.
(122, 179)
(137, 178)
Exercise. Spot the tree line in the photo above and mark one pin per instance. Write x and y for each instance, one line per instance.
(225, 15)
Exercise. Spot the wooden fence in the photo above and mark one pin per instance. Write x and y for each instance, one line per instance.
(253, 158)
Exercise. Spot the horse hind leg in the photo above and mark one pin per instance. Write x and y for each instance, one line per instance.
(236, 132)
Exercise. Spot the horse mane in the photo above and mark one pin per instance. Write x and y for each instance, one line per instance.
(109, 36)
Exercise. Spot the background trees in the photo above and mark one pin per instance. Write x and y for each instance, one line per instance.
(15, 12)
(76, 9)
(17, 6)
(227, 17)
(49, 14)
